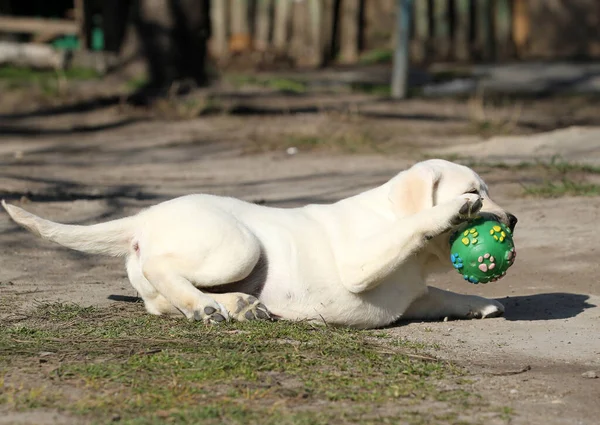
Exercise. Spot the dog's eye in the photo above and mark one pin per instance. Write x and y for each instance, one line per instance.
(474, 191)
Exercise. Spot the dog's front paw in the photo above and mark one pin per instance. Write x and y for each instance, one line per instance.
(469, 205)
(482, 308)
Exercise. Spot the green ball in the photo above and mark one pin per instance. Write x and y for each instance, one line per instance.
(482, 250)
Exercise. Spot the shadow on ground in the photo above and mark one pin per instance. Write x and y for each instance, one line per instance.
(553, 306)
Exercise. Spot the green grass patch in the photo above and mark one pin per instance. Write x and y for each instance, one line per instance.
(565, 187)
(48, 81)
(24, 75)
(285, 85)
(373, 89)
(123, 363)
(376, 56)
(136, 83)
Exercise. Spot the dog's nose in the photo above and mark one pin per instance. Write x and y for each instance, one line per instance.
(512, 221)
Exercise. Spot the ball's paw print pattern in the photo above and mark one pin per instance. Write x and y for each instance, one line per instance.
(498, 233)
(511, 255)
(457, 262)
(490, 264)
(487, 263)
(470, 237)
(471, 279)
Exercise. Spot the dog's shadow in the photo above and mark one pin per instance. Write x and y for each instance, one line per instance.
(552, 306)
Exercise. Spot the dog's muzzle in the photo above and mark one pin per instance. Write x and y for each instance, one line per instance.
(512, 221)
(507, 218)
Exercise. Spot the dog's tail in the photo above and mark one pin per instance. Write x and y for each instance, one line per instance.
(112, 238)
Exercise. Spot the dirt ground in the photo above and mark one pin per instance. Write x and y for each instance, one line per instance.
(109, 161)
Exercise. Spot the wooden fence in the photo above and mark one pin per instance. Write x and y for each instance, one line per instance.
(312, 33)
(317, 32)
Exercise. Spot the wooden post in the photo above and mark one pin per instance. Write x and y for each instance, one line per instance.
(317, 29)
(300, 32)
(282, 20)
(262, 24)
(463, 28)
(441, 26)
(239, 40)
(422, 31)
(326, 32)
(485, 41)
(350, 31)
(79, 8)
(401, 54)
(502, 29)
(520, 26)
(219, 43)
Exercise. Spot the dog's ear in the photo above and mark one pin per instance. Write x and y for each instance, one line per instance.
(415, 189)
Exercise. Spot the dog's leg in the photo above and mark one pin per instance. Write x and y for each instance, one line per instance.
(170, 281)
(239, 306)
(438, 304)
(190, 253)
(154, 302)
(367, 262)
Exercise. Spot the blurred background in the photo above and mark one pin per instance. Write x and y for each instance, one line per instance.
(402, 78)
(194, 41)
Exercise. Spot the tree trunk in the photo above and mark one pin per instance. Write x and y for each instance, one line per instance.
(239, 40)
(219, 42)
(350, 32)
(282, 20)
(174, 36)
(262, 25)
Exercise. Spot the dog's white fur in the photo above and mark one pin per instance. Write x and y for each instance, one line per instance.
(359, 262)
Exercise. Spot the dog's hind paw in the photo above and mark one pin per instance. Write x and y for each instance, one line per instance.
(210, 314)
(243, 307)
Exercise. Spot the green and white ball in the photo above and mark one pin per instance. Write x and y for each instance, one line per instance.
(482, 250)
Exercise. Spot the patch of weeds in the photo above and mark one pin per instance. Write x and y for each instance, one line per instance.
(64, 311)
(373, 89)
(103, 363)
(376, 56)
(136, 83)
(565, 187)
(285, 85)
(507, 413)
(18, 74)
(49, 82)
(28, 398)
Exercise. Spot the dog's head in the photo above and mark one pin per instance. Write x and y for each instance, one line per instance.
(434, 182)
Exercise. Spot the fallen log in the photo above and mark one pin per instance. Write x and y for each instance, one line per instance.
(33, 55)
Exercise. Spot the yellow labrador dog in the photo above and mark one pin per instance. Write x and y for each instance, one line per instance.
(360, 262)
